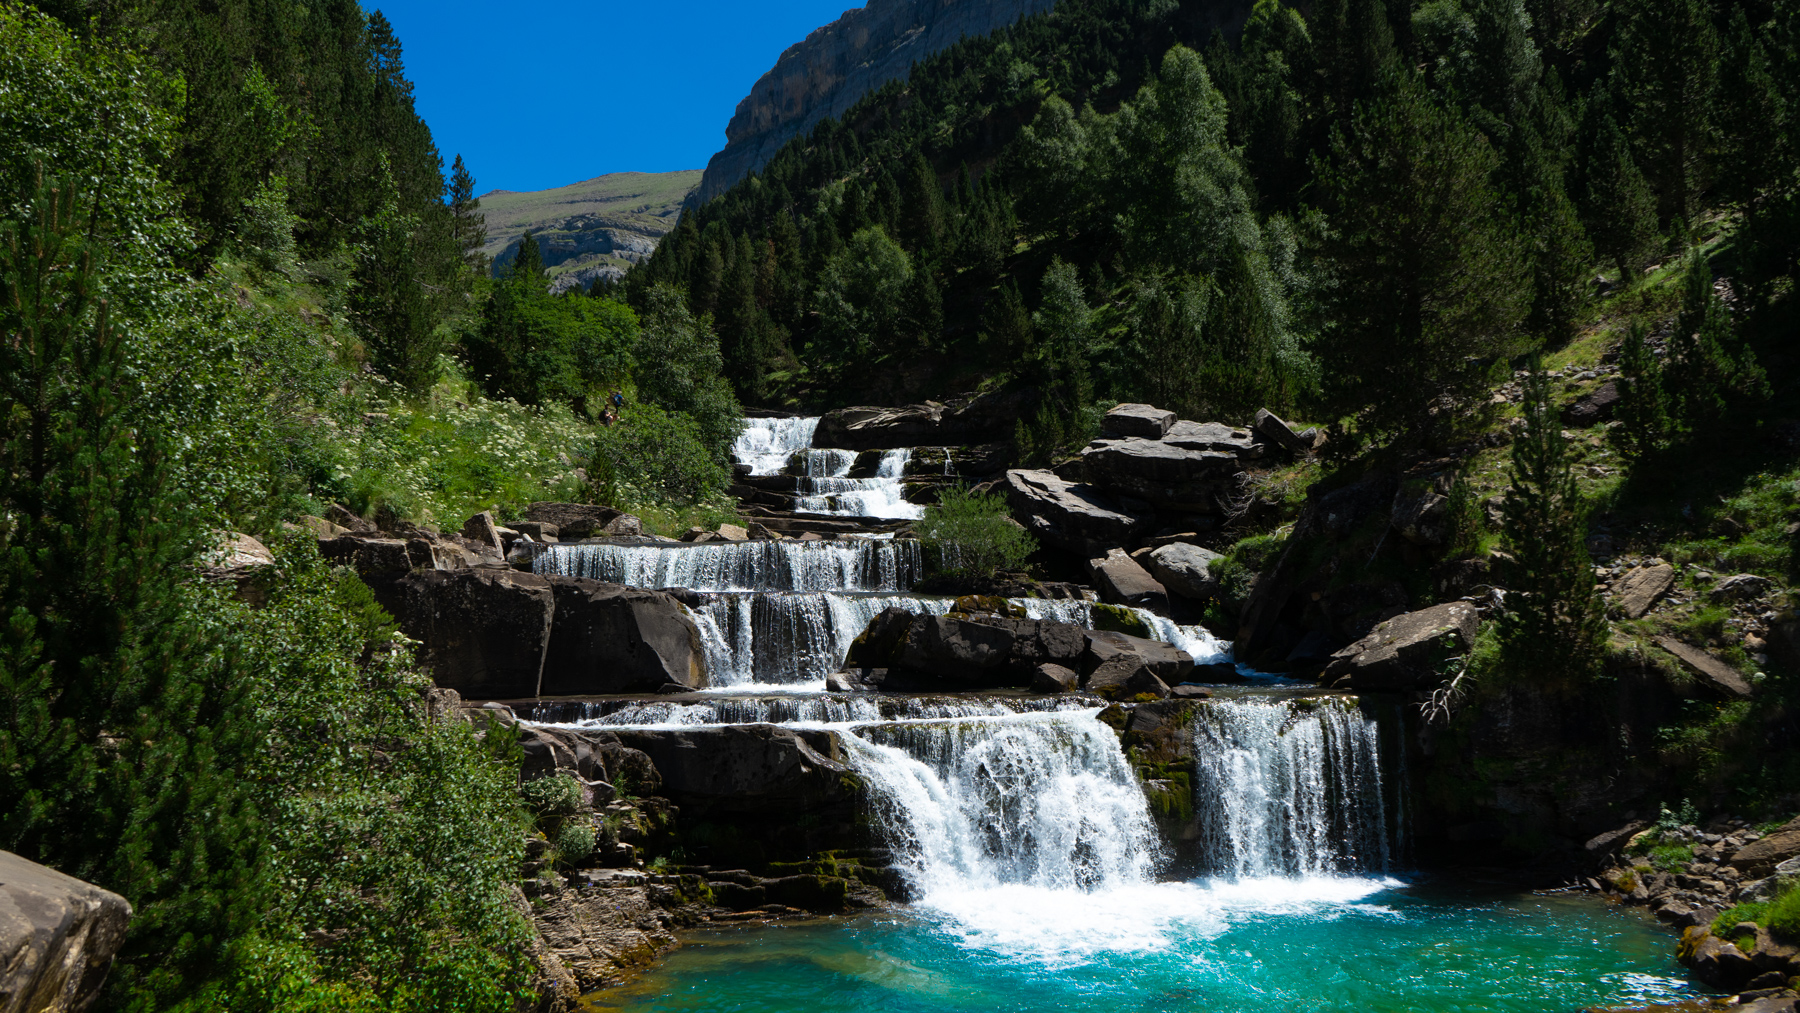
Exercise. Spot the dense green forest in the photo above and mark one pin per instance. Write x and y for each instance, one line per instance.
(237, 285)
(1359, 211)
(240, 285)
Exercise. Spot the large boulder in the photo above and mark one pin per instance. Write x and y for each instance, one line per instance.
(379, 562)
(1121, 581)
(485, 631)
(1137, 421)
(1214, 436)
(1594, 408)
(1168, 475)
(950, 648)
(1185, 569)
(1116, 665)
(57, 938)
(1404, 652)
(607, 638)
(1759, 858)
(1713, 960)
(1071, 515)
(573, 520)
(1640, 589)
(1271, 429)
(983, 419)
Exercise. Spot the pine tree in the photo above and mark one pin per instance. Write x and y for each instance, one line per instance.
(469, 227)
(1643, 406)
(1620, 209)
(1430, 274)
(122, 728)
(1552, 632)
(397, 310)
(1666, 70)
(1712, 374)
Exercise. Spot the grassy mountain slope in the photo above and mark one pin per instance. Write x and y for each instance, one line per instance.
(608, 222)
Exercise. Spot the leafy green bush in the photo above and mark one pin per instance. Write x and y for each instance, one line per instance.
(558, 795)
(656, 455)
(573, 841)
(973, 534)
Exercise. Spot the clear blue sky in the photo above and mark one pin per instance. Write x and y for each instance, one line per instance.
(538, 95)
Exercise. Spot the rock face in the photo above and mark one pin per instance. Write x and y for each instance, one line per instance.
(1404, 652)
(484, 631)
(606, 638)
(573, 520)
(57, 938)
(1759, 858)
(767, 793)
(962, 651)
(967, 420)
(826, 73)
(1169, 475)
(493, 633)
(1074, 516)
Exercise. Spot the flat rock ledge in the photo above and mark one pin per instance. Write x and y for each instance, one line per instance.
(58, 936)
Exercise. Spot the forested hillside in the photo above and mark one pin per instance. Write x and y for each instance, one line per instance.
(238, 286)
(1356, 211)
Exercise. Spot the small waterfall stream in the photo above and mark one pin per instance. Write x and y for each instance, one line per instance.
(1292, 788)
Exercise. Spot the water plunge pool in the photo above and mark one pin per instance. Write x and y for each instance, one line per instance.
(1313, 944)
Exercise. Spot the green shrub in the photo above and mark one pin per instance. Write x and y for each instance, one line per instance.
(551, 797)
(1784, 913)
(573, 841)
(655, 455)
(972, 534)
(1755, 912)
(1671, 857)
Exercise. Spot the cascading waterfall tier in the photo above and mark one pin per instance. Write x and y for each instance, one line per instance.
(820, 709)
(848, 565)
(767, 445)
(1292, 788)
(784, 639)
(827, 490)
(1034, 800)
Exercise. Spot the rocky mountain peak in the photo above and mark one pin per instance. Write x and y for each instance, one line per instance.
(828, 71)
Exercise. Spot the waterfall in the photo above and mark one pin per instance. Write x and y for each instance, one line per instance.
(814, 709)
(826, 490)
(1291, 788)
(1035, 800)
(766, 445)
(788, 639)
(849, 565)
(1205, 648)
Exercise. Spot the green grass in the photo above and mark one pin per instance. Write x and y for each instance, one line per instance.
(1780, 916)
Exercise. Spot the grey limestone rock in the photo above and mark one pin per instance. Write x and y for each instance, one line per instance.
(1272, 429)
(1185, 569)
(1050, 677)
(1072, 515)
(1712, 672)
(1404, 652)
(484, 631)
(1138, 421)
(573, 520)
(57, 938)
(606, 638)
(1168, 475)
(1638, 591)
(1121, 581)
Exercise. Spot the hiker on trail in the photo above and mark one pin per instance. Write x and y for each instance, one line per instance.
(606, 417)
(618, 400)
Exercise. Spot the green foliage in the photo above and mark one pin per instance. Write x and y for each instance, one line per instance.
(861, 296)
(125, 728)
(1429, 271)
(656, 456)
(973, 534)
(1712, 374)
(1643, 406)
(1465, 517)
(394, 831)
(558, 795)
(679, 370)
(537, 348)
(1552, 631)
(574, 841)
(396, 307)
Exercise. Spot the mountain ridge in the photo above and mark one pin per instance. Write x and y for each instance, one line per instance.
(588, 229)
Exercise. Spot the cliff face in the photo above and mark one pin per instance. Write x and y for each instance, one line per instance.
(824, 74)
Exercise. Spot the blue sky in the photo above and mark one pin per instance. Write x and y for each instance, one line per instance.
(537, 95)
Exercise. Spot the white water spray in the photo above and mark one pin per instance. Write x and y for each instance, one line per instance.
(767, 445)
